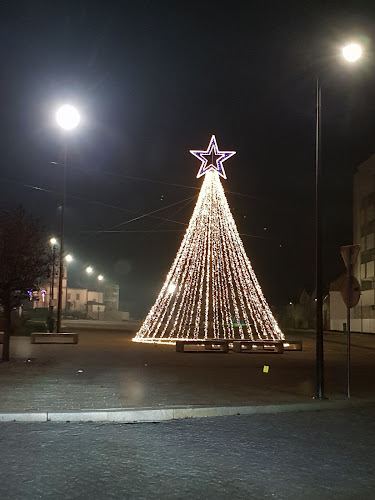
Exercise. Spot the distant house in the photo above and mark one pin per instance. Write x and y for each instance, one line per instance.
(300, 314)
(89, 302)
(102, 303)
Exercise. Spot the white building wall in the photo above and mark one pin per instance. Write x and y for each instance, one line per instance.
(337, 311)
(74, 299)
(358, 323)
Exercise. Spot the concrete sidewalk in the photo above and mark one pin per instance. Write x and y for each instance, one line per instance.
(107, 373)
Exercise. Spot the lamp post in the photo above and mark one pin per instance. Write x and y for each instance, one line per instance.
(67, 118)
(89, 270)
(100, 279)
(351, 53)
(68, 259)
(53, 243)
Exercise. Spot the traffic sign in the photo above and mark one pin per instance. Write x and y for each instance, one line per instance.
(349, 254)
(350, 297)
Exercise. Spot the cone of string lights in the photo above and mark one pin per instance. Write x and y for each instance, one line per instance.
(211, 291)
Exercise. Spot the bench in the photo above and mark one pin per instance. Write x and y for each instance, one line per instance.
(263, 346)
(213, 345)
(53, 338)
(292, 345)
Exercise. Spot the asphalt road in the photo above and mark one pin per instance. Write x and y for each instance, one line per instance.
(312, 455)
(106, 370)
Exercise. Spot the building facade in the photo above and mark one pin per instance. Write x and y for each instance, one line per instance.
(363, 315)
(111, 296)
(79, 300)
(102, 303)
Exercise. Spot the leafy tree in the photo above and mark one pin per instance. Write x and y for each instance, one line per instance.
(24, 257)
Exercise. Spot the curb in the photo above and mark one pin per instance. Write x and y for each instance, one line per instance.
(134, 415)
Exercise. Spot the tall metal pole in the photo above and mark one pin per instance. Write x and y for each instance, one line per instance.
(61, 267)
(318, 251)
(52, 286)
(53, 272)
(97, 288)
(66, 289)
(349, 292)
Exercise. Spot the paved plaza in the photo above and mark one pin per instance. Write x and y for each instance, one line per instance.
(108, 371)
(318, 456)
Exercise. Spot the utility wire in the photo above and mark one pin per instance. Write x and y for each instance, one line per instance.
(94, 202)
(115, 207)
(145, 215)
(176, 231)
(144, 179)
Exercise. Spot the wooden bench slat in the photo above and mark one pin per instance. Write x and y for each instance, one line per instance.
(292, 345)
(208, 345)
(49, 336)
(267, 346)
(274, 346)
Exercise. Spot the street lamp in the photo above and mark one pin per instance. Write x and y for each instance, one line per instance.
(100, 279)
(68, 259)
(351, 53)
(67, 117)
(53, 243)
(89, 270)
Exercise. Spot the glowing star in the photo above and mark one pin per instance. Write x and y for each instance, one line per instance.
(212, 159)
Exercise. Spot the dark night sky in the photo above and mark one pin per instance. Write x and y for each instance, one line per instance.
(154, 80)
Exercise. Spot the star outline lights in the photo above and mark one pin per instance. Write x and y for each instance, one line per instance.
(220, 158)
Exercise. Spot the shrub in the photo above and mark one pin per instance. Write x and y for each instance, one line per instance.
(24, 329)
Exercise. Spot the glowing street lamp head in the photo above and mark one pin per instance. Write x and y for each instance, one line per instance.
(53, 241)
(89, 270)
(352, 52)
(68, 258)
(67, 117)
(100, 277)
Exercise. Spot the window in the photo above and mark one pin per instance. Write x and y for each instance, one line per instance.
(368, 255)
(68, 296)
(77, 296)
(366, 285)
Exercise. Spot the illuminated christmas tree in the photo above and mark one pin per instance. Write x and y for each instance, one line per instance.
(211, 291)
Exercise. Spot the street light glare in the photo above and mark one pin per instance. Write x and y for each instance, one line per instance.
(352, 52)
(100, 277)
(89, 270)
(67, 117)
(53, 241)
(69, 258)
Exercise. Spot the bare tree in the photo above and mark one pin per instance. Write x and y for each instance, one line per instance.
(24, 257)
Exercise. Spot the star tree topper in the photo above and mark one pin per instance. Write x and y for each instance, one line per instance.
(212, 158)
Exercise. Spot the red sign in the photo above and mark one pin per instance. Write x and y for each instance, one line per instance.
(350, 296)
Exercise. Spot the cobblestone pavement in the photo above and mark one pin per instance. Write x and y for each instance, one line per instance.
(317, 455)
(106, 370)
